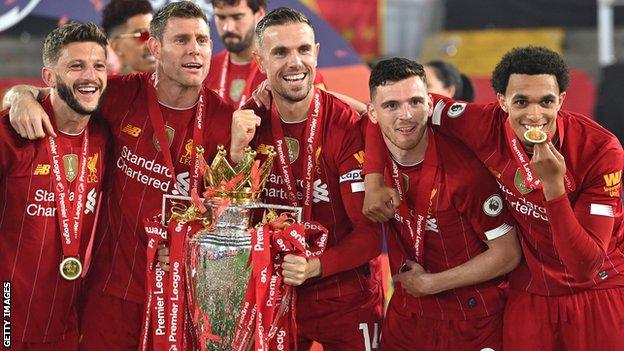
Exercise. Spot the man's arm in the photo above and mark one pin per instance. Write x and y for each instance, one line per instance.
(501, 257)
(357, 105)
(26, 115)
(360, 245)
(581, 233)
(380, 200)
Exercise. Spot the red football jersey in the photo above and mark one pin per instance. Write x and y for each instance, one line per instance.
(139, 176)
(466, 210)
(338, 194)
(592, 211)
(236, 78)
(43, 304)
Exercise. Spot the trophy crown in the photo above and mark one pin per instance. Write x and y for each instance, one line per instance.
(241, 183)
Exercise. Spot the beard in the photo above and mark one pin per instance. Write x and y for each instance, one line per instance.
(66, 94)
(242, 44)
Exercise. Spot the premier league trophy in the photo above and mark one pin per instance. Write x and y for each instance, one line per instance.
(217, 257)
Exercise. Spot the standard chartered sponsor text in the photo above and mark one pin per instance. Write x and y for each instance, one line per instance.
(128, 163)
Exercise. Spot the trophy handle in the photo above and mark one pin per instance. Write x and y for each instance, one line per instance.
(297, 210)
(168, 198)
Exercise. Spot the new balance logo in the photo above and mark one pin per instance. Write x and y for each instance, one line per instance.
(42, 169)
(131, 130)
(320, 192)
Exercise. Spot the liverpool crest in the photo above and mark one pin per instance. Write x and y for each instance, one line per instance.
(519, 183)
(92, 166)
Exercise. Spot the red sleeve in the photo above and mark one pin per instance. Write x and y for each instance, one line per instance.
(364, 242)
(476, 126)
(476, 196)
(121, 92)
(375, 150)
(582, 232)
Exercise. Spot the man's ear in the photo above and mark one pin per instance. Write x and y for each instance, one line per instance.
(562, 97)
(114, 45)
(153, 44)
(501, 101)
(256, 56)
(372, 114)
(49, 78)
(430, 105)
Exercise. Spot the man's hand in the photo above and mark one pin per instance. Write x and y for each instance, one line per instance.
(26, 114)
(296, 270)
(549, 166)
(380, 201)
(244, 123)
(261, 95)
(163, 257)
(416, 281)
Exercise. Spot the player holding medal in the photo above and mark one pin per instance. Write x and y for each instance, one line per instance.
(49, 194)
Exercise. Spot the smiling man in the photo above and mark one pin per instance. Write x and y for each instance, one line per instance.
(339, 301)
(148, 114)
(49, 190)
(234, 74)
(126, 22)
(565, 194)
(448, 266)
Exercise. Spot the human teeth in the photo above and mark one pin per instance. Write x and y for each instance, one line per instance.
(192, 65)
(87, 90)
(294, 76)
(528, 127)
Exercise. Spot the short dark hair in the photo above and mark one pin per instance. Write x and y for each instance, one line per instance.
(69, 33)
(394, 70)
(117, 13)
(254, 5)
(530, 60)
(448, 74)
(181, 9)
(278, 17)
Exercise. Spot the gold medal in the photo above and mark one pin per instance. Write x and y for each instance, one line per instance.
(70, 268)
(535, 136)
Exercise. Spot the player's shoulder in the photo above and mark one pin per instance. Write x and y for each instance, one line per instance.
(445, 107)
(216, 105)
(10, 140)
(337, 112)
(580, 126)
(588, 145)
(219, 57)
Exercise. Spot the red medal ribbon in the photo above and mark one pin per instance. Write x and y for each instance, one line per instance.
(167, 324)
(314, 124)
(158, 124)
(523, 161)
(268, 310)
(156, 286)
(415, 224)
(223, 81)
(70, 219)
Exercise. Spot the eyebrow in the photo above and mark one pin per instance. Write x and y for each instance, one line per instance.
(524, 97)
